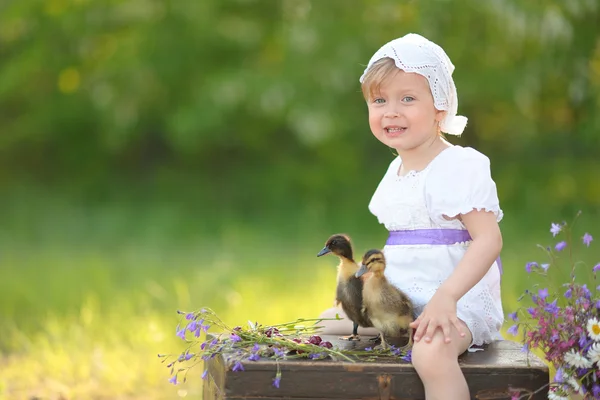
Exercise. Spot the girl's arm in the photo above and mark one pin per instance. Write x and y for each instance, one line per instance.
(481, 254)
(440, 312)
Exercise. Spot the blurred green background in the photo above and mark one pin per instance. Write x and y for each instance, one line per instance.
(158, 155)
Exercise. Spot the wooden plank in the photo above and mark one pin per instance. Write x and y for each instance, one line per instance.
(489, 373)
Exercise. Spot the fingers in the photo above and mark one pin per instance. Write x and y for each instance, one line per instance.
(432, 326)
(427, 326)
(446, 330)
(421, 329)
(416, 322)
(459, 327)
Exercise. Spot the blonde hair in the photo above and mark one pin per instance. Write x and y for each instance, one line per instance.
(376, 75)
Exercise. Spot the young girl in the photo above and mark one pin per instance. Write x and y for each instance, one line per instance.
(440, 206)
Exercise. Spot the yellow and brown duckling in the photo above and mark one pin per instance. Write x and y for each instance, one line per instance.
(349, 291)
(388, 308)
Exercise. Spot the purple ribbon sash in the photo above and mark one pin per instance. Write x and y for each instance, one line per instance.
(433, 237)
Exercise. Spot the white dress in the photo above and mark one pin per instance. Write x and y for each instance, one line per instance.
(457, 181)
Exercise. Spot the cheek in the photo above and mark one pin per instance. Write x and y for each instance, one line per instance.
(425, 117)
(374, 119)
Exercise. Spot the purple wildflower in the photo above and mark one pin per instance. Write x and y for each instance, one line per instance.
(173, 380)
(254, 357)
(368, 348)
(188, 356)
(189, 316)
(235, 338)
(555, 229)
(596, 268)
(530, 265)
(598, 304)
(203, 346)
(513, 316)
(586, 292)
(552, 308)
(560, 246)
(205, 374)
(205, 327)
(568, 293)
(596, 390)
(408, 356)
(192, 326)
(543, 293)
(545, 267)
(587, 239)
(278, 352)
(525, 348)
(181, 332)
(237, 367)
(559, 377)
(256, 347)
(277, 380)
(513, 330)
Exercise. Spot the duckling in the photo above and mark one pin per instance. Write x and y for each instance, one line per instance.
(349, 289)
(388, 308)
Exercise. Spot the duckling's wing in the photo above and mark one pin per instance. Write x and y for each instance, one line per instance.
(396, 300)
(350, 294)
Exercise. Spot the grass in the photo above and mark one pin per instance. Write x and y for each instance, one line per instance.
(89, 290)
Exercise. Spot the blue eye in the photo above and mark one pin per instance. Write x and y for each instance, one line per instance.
(379, 100)
(408, 99)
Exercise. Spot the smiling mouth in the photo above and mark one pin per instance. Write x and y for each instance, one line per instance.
(394, 130)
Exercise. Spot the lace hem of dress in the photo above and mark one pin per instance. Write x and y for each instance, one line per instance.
(477, 310)
(465, 210)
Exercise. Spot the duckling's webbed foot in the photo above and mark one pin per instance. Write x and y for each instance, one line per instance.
(408, 345)
(383, 345)
(354, 335)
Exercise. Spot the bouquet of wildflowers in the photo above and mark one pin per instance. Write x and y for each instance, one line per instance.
(563, 321)
(239, 345)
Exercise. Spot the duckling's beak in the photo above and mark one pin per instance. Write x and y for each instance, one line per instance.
(324, 251)
(361, 271)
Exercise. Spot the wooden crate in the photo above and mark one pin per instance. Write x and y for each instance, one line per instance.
(490, 375)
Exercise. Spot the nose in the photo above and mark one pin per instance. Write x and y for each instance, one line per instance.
(391, 110)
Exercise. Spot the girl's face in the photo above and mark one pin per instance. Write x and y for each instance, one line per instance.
(402, 114)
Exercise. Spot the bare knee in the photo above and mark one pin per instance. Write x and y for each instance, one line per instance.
(432, 360)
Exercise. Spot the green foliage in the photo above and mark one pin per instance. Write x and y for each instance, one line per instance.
(194, 152)
(89, 88)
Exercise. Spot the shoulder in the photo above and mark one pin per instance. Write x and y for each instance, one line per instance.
(460, 181)
(394, 165)
(458, 156)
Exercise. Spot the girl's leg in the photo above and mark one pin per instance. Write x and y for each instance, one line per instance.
(436, 363)
(342, 327)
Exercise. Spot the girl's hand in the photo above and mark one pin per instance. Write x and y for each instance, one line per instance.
(440, 312)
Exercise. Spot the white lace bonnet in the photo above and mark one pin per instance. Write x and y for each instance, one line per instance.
(414, 53)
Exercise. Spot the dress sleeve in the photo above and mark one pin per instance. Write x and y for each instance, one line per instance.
(461, 184)
(377, 205)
